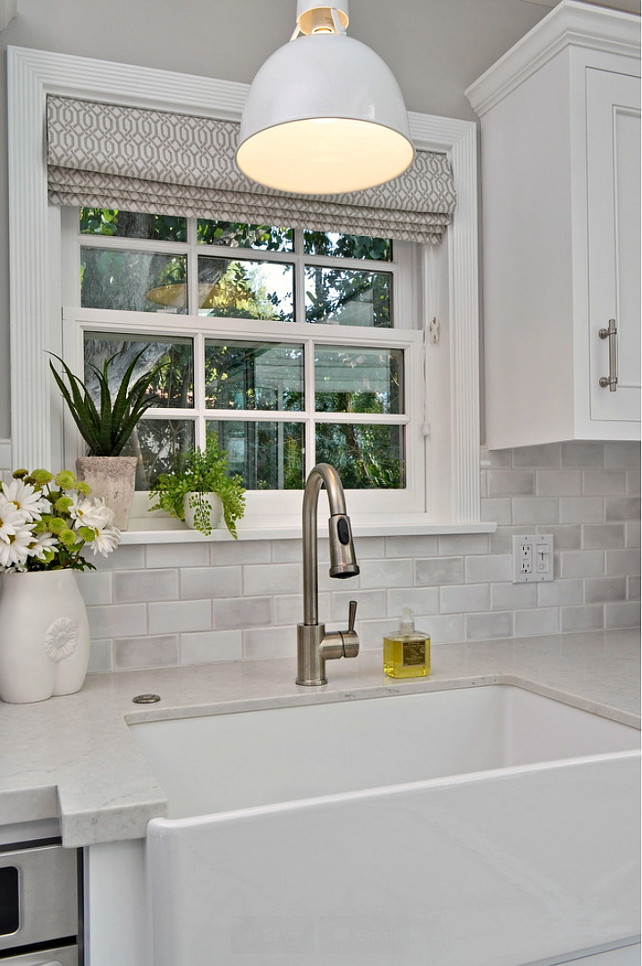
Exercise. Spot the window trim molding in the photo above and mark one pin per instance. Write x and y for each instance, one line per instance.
(34, 301)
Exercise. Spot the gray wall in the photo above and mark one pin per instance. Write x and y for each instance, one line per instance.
(436, 48)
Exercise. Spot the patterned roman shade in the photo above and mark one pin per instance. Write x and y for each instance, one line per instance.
(134, 159)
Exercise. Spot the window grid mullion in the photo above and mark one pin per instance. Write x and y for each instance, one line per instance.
(199, 390)
(310, 428)
(192, 269)
(255, 415)
(364, 419)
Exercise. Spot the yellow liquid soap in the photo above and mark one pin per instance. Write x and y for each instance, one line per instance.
(406, 653)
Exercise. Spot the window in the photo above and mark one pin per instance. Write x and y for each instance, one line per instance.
(293, 347)
(452, 452)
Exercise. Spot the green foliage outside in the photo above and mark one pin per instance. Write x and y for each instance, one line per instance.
(366, 456)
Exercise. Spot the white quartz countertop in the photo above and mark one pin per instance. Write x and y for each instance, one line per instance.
(73, 759)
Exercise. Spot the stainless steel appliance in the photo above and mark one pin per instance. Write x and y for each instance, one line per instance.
(39, 914)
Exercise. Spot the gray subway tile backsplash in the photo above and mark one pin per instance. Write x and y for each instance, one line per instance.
(603, 536)
(622, 454)
(625, 614)
(537, 456)
(558, 482)
(621, 508)
(142, 585)
(117, 620)
(513, 482)
(583, 454)
(484, 627)
(623, 562)
(199, 583)
(542, 620)
(205, 647)
(165, 604)
(140, 652)
(604, 589)
(439, 570)
(604, 482)
(180, 615)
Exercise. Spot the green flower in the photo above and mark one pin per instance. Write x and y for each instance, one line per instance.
(67, 538)
(66, 480)
(54, 524)
(62, 505)
(41, 477)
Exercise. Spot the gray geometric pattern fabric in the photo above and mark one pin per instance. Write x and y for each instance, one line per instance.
(113, 156)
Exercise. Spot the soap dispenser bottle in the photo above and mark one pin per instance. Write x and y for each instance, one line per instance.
(406, 652)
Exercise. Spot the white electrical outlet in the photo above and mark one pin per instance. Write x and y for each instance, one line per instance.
(532, 557)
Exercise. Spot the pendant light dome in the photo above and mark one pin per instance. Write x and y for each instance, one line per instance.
(324, 114)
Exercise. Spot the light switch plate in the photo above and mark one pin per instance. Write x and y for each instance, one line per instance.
(532, 557)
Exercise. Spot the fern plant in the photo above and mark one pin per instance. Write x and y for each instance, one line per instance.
(106, 427)
(197, 473)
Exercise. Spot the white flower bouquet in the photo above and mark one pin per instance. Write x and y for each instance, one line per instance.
(46, 521)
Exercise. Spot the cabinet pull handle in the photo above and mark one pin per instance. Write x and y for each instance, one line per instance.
(610, 381)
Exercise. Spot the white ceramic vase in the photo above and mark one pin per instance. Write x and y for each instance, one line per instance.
(113, 478)
(44, 636)
(210, 502)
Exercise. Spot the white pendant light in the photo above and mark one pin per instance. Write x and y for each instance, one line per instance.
(324, 114)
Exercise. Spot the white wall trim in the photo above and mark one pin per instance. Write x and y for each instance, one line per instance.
(32, 75)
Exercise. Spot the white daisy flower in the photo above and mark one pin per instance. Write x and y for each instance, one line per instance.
(15, 550)
(105, 540)
(25, 498)
(11, 520)
(91, 513)
(42, 542)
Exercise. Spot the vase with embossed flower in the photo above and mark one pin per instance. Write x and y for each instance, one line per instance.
(44, 636)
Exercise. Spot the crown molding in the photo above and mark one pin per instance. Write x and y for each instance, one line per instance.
(570, 24)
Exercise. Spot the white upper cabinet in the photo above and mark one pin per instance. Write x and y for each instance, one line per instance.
(613, 191)
(560, 162)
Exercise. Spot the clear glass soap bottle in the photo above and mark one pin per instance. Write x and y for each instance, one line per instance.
(406, 652)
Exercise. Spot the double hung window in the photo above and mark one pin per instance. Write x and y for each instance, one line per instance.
(293, 347)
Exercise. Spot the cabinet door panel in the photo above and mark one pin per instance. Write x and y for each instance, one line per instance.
(613, 143)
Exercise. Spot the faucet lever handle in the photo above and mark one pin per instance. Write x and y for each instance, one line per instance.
(352, 615)
(349, 638)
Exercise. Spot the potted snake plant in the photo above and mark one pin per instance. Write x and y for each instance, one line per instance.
(106, 425)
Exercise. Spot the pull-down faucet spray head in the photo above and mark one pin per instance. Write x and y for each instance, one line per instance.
(343, 562)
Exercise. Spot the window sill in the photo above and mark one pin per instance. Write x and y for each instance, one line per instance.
(288, 528)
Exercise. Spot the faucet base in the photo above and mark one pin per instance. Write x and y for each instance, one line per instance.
(310, 684)
(311, 662)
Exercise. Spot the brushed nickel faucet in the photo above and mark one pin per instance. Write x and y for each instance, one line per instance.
(314, 646)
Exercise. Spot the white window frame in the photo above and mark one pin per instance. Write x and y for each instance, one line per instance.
(77, 320)
(451, 426)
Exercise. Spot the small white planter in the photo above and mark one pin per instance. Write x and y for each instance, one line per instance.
(204, 509)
